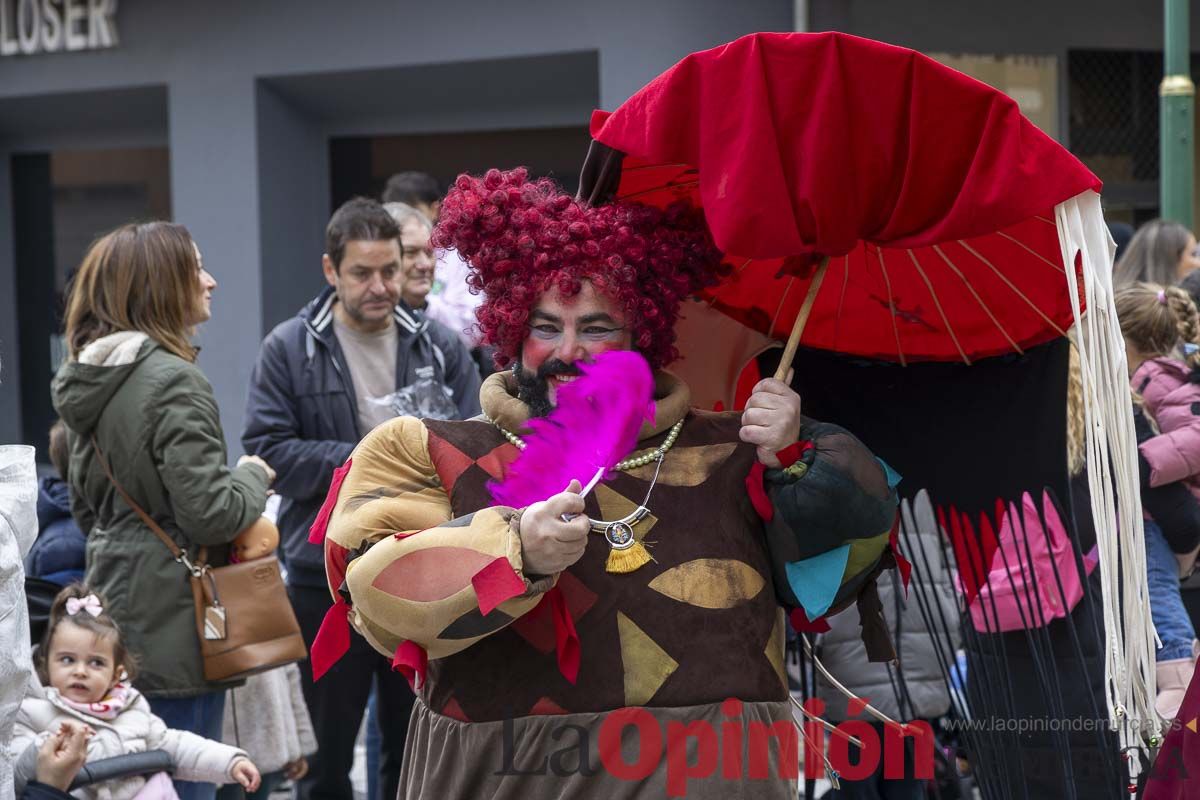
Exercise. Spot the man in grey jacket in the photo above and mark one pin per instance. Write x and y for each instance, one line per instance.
(356, 356)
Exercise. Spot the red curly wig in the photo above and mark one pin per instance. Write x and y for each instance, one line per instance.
(522, 237)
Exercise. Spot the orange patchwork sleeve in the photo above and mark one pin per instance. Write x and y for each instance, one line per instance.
(412, 572)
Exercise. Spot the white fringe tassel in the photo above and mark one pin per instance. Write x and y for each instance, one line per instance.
(1112, 464)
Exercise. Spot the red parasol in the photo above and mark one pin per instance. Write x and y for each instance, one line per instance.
(927, 193)
(876, 203)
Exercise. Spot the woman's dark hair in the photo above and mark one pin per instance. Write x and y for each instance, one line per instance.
(359, 219)
(102, 625)
(1153, 254)
(142, 277)
(60, 453)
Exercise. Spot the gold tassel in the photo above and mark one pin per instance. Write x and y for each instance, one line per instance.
(629, 559)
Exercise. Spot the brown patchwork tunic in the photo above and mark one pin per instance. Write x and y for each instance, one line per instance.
(699, 624)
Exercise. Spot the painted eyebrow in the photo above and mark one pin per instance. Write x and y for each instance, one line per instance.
(599, 317)
(585, 320)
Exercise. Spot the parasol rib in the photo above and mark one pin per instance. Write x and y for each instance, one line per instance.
(937, 303)
(938, 249)
(1013, 286)
(835, 683)
(681, 185)
(837, 321)
(656, 166)
(829, 726)
(1030, 250)
(891, 305)
(793, 342)
(783, 300)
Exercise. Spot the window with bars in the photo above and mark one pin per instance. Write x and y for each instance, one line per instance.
(1113, 125)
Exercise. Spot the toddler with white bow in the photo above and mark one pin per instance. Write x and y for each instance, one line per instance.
(86, 671)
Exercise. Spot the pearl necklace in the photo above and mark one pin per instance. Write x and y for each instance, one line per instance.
(633, 462)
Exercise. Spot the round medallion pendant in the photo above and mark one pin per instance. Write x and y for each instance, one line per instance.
(619, 535)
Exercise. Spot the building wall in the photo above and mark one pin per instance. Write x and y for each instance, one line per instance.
(1024, 26)
(245, 95)
(249, 165)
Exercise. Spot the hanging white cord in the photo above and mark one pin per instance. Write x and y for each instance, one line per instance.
(1112, 465)
(836, 684)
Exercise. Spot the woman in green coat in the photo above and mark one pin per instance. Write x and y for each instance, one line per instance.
(132, 384)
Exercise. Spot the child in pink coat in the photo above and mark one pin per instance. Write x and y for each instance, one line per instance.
(1161, 326)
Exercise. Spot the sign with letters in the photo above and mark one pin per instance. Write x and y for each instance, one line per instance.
(28, 27)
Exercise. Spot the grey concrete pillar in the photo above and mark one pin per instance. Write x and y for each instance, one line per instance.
(214, 192)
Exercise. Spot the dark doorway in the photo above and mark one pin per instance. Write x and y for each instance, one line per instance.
(62, 201)
(360, 165)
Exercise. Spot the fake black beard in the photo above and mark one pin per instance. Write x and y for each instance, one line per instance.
(532, 388)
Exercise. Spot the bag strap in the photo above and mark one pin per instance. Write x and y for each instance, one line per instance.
(176, 551)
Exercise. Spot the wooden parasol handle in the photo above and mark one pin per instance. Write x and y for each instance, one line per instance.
(789, 352)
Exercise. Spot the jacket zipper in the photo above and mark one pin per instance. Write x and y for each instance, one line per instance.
(347, 385)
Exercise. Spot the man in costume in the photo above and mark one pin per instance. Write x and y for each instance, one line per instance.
(523, 634)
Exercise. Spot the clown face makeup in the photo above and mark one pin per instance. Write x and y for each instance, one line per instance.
(563, 331)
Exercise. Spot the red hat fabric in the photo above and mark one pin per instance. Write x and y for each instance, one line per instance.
(811, 142)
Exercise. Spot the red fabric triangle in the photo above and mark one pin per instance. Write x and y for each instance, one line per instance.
(902, 563)
(496, 583)
(801, 624)
(448, 460)
(454, 711)
(496, 462)
(336, 558)
(758, 492)
(973, 553)
(965, 554)
(985, 542)
(546, 707)
(316, 534)
(1173, 776)
(793, 452)
(411, 661)
(332, 641)
(566, 639)
(537, 626)
(579, 597)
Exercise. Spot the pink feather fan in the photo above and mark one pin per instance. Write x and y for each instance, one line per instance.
(593, 426)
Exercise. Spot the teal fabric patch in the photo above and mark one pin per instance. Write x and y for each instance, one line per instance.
(893, 477)
(815, 581)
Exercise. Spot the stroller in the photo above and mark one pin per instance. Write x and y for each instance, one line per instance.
(39, 595)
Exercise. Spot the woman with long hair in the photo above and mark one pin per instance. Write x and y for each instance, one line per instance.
(1161, 251)
(132, 396)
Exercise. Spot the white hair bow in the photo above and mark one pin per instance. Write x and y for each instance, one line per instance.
(90, 604)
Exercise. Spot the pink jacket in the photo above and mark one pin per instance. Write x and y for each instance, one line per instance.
(1032, 581)
(1173, 402)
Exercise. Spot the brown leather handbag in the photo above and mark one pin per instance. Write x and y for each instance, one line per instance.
(244, 620)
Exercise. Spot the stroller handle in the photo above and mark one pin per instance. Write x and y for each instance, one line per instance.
(125, 766)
